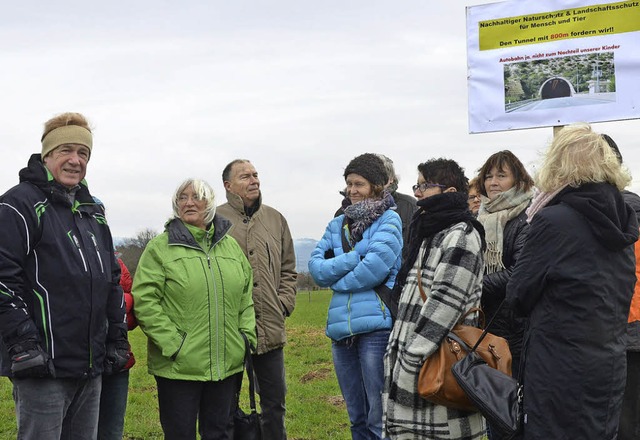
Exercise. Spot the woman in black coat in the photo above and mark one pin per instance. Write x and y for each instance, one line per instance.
(506, 190)
(574, 280)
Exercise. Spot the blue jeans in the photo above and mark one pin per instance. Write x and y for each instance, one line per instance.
(113, 405)
(269, 370)
(360, 371)
(57, 409)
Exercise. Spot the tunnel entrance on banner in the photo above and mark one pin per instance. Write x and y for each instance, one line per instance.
(556, 87)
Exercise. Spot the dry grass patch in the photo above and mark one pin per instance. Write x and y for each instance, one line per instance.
(319, 374)
(335, 400)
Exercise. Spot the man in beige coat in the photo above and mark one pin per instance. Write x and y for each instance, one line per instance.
(263, 235)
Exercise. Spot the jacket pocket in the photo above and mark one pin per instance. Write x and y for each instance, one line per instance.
(182, 337)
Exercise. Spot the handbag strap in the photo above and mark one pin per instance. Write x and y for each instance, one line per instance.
(422, 294)
(248, 362)
(486, 328)
(346, 246)
(460, 341)
(468, 312)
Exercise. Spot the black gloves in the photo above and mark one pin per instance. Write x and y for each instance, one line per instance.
(28, 359)
(117, 357)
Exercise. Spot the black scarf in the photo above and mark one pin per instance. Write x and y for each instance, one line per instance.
(434, 214)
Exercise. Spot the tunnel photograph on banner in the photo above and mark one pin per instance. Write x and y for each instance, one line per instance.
(560, 82)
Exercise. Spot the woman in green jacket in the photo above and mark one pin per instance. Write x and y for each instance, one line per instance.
(192, 296)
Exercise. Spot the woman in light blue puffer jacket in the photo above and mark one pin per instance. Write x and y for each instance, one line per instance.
(360, 254)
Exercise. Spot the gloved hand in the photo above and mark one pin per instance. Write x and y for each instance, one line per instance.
(117, 357)
(28, 359)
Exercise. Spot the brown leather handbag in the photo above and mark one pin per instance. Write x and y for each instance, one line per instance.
(436, 382)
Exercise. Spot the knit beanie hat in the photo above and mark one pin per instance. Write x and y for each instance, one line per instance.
(369, 166)
(67, 134)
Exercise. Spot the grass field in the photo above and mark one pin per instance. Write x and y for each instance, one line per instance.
(315, 409)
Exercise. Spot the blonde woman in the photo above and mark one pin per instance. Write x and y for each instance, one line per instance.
(574, 280)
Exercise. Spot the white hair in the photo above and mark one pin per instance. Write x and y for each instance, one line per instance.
(203, 191)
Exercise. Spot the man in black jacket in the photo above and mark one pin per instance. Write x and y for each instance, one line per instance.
(62, 314)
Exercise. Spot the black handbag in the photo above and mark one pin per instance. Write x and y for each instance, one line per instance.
(247, 426)
(497, 395)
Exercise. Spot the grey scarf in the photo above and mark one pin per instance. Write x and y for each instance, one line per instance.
(494, 215)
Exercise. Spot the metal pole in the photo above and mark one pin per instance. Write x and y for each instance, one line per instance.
(556, 129)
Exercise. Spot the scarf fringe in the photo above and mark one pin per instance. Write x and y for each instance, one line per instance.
(493, 258)
(494, 216)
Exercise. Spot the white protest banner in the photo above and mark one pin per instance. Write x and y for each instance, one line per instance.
(552, 62)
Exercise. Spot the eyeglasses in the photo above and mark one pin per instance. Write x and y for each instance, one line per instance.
(425, 186)
(474, 197)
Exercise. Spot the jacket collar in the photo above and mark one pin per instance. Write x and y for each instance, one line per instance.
(235, 201)
(37, 174)
(179, 234)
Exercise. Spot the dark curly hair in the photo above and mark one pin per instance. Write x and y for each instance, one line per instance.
(445, 172)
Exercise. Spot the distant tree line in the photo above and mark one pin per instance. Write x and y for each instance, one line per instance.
(131, 248)
(305, 282)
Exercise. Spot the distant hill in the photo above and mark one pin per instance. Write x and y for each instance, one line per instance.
(303, 248)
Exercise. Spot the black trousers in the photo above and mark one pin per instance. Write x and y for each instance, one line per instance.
(182, 402)
(629, 428)
(269, 369)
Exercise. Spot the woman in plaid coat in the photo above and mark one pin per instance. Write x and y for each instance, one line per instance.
(446, 245)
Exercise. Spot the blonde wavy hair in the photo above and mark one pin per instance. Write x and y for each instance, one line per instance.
(578, 155)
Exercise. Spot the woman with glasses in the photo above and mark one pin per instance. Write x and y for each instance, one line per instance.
(359, 257)
(439, 281)
(474, 197)
(192, 292)
(574, 280)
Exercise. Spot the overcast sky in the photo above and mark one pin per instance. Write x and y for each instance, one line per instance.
(179, 89)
